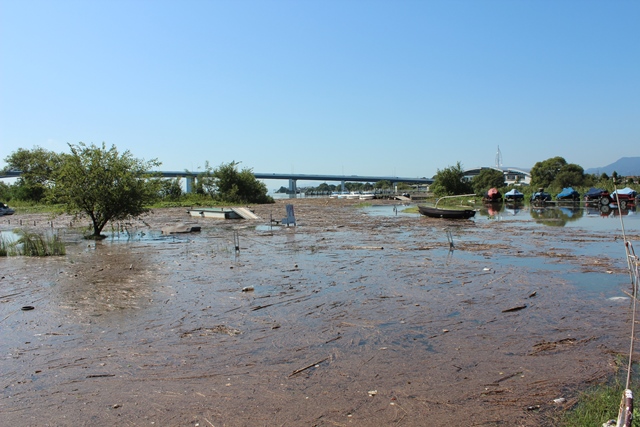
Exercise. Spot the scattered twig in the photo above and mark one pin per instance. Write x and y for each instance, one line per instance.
(297, 371)
(517, 308)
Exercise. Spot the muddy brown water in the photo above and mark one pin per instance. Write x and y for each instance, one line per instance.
(347, 319)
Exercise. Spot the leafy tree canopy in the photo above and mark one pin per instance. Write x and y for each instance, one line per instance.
(5, 192)
(170, 189)
(37, 167)
(382, 184)
(544, 173)
(104, 184)
(238, 186)
(450, 181)
(556, 172)
(486, 179)
(569, 175)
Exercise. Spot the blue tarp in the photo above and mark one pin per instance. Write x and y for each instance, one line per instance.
(594, 192)
(568, 193)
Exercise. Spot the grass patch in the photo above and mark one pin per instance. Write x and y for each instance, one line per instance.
(601, 403)
(4, 249)
(363, 205)
(411, 209)
(22, 207)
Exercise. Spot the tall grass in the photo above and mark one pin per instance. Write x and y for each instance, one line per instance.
(4, 250)
(33, 244)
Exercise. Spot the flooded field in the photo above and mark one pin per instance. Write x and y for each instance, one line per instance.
(360, 315)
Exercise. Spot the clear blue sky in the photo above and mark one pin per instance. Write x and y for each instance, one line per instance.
(338, 87)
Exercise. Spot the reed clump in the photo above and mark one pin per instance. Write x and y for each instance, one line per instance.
(32, 244)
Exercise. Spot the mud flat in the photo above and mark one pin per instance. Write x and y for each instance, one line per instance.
(346, 319)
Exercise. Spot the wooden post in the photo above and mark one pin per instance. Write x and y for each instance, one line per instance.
(625, 415)
(236, 241)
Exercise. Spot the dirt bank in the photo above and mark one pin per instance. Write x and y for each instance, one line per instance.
(347, 319)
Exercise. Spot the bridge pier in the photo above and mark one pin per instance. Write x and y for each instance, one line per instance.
(293, 186)
(190, 183)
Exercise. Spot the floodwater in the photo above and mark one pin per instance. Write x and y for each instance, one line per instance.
(354, 317)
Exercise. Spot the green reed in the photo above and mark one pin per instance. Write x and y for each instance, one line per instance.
(32, 244)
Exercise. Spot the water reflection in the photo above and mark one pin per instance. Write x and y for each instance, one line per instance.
(513, 208)
(554, 215)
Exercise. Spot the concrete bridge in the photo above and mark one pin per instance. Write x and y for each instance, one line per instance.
(293, 178)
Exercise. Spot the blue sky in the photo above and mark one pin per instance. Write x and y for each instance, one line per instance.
(353, 87)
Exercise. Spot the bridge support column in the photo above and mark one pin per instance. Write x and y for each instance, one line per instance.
(342, 187)
(190, 182)
(293, 186)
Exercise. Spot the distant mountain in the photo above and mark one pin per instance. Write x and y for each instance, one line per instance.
(626, 166)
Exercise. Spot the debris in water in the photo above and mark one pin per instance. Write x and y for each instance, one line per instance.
(519, 307)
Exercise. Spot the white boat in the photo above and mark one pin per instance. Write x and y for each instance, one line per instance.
(367, 196)
(339, 195)
(223, 213)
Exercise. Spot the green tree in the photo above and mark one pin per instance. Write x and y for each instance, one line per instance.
(450, 181)
(569, 175)
(234, 186)
(205, 182)
(324, 187)
(5, 192)
(382, 185)
(37, 167)
(104, 184)
(486, 179)
(544, 173)
(170, 189)
(615, 178)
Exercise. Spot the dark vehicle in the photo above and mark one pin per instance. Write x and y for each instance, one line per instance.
(598, 195)
(5, 209)
(540, 197)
